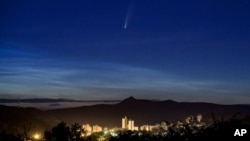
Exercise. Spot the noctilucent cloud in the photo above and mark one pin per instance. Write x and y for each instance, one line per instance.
(110, 49)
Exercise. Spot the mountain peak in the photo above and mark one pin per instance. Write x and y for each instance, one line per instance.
(129, 99)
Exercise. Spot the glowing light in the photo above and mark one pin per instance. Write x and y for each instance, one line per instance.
(36, 136)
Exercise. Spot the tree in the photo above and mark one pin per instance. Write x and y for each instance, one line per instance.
(48, 136)
(9, 137)
(61, 132)
(76, 131)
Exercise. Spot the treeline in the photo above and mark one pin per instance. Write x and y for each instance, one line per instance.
(218, 129)
(61, 132)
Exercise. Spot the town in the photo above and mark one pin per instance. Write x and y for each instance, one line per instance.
(128, 124)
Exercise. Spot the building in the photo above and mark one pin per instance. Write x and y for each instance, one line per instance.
(125, 123)
(147, 127)
(144, 128)
(128, 124)
(136, 128)
(96, 128)
(88, 129)
(131, 125)
(199, 118)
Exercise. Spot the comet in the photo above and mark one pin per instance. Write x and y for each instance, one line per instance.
(125, 24)
(128, 15)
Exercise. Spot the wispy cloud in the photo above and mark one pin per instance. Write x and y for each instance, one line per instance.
(92, 77)
(28, 76)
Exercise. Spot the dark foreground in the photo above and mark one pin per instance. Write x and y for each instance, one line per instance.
(219, 129)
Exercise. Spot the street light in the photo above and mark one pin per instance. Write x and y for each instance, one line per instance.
(36, 136)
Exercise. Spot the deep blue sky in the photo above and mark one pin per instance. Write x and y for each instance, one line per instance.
(196, 50)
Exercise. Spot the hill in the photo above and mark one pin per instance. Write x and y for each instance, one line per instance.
(24, 121)
(146, 112)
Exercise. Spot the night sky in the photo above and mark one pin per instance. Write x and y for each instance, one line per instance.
(196, 50)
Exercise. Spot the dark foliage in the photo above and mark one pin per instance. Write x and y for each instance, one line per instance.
(9, 137)
(218, 129)
(61, 132)
(75, 132)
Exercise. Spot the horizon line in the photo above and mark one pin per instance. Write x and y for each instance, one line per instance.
(58, 100)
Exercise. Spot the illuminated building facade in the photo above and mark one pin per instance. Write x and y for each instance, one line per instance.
(128, 124)
(88, 129)
(131, 125)
(96, 128)
(125, 123)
